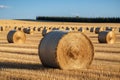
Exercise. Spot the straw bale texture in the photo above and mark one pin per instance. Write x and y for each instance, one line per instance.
(16, 37)
(66, 50)
(107, 37)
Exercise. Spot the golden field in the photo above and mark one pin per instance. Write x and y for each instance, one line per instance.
(21, 61)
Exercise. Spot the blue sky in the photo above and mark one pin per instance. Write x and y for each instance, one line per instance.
(29, 9)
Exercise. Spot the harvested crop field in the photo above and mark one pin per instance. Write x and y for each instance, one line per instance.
(21, 61)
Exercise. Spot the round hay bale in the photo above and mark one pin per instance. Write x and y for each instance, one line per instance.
(108, 28)
(1, 28)
(66, 50)
(92, 29)
(74, 29)
(34, 28)
(87, 28)
(28, 31)
(68, 29)
(81, 29)
(19, 28)
(15, 27)
(38, 29)
(14, 36)
(99, 29)
(45, 31)
(62, 28)
(107, 37)
(54, 28)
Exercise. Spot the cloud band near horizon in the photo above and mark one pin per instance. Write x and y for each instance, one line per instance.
(3, 6)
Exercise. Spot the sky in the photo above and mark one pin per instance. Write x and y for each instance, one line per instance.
(29, 9)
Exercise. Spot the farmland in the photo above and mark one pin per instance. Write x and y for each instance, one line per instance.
(21, 61)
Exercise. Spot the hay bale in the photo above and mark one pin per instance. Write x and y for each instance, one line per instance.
(28, 31)
(14, 36)
(19, 28)
(39, 29)
(68, 29)
(15, 27)
(99, 29)
(45, 31)
(34, 28)
(62, 28)
(92, 29)
(1, 28)
(66, 50)
(81, 29)
(108, 28)
(107, 37)
(54, 28)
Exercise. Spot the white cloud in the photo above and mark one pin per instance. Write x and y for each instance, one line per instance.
(3, 6)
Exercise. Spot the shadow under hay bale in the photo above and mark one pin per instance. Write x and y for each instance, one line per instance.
(14, 36)
(66, 50)
(107, 37)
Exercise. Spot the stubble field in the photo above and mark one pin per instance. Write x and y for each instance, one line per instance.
(21, 61)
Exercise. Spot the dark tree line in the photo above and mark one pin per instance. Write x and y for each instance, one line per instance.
(79, 19)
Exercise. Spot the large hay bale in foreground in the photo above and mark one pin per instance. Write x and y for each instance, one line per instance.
(66, 50)
(16, 36)
(106, 37)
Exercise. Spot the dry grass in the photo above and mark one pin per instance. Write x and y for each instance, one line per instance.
(21, 61)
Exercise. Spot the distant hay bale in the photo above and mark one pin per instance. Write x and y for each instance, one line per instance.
(50, 28)
(108, 28)
(66, 50)
(62, 28)
(87, 28)
(107, 37)
(92, 29)
(28, 31)
(1, 28)
(45, 31)
(99, 29)
(19, 28)
(81, 29)
(35, 29)
(74, 29)
(68, 29)
(38, 29)
(14, 36)
(15, 27)
(54, 28)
